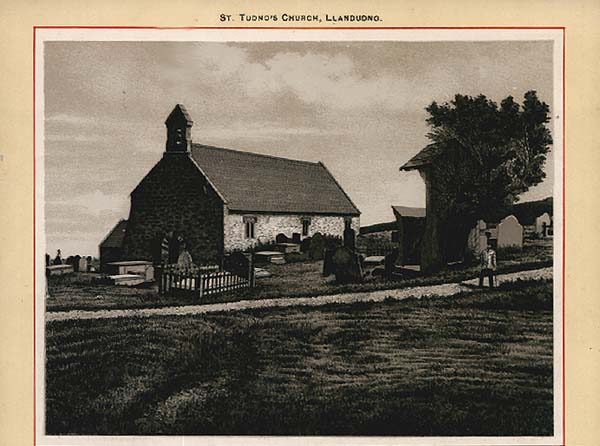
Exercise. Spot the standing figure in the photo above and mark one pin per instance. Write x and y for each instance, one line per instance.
(185, 259)
(58, 258)
(488, 265)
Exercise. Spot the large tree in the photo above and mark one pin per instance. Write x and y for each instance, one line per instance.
(486, 156)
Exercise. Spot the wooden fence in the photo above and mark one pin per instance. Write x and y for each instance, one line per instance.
(206, 280)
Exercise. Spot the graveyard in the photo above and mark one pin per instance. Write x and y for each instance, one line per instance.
(300, 276)
(475, 362)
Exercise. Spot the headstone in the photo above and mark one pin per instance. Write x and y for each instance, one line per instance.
(83, 265)
(510, 232)
(305, 244)
(328, 268)
(296, 238)
(541, 224)
(237, 263)
(281, 238)
(90, 268)
(317, 246)
(477, 239)
(346, 265)
(47, 259)
(76, 260)
(390, 262)
(349, 238)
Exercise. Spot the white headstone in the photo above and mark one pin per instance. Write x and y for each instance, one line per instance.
(510, 232)
(542, 221)
(477, 240)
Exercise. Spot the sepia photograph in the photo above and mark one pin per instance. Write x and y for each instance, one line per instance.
(300, 233)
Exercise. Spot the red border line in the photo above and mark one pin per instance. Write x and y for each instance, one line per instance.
(34, 254)
(563, 28)
(564, 143)
(300, 27)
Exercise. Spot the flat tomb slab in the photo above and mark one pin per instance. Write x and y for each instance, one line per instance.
(288, 247)
(270, 256)
(374, 259)
(132, 267)
(59, 270)
(126, 279)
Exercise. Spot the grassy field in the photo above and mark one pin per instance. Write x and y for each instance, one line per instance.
(299, 279)
(475, 364)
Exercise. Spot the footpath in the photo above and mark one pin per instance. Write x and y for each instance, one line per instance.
(443, 290)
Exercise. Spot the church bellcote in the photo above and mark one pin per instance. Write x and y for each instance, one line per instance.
(179, 125)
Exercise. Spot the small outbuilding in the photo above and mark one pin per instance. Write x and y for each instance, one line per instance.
(410, 228)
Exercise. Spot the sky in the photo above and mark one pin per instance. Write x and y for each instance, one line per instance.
(359, 107)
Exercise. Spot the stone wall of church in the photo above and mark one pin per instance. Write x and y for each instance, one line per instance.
(268, 226)
(174, 200)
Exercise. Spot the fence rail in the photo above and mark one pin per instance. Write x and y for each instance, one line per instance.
(206, 280)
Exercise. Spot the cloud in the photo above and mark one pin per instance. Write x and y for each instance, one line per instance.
(333, 81)
(94, 203)
(77, 138)
(65, 118)
(258, 131)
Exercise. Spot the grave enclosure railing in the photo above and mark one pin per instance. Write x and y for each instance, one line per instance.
(203, 281)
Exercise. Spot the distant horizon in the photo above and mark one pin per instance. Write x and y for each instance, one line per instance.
(358, 107)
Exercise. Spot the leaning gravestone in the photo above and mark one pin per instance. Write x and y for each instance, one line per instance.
(317, 246)
(510, 233)
(346, 266)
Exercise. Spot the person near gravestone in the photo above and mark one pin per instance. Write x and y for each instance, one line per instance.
(185, 258)
(488, 265)
(58, 258)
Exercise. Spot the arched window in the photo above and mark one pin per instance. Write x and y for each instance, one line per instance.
(249, 226)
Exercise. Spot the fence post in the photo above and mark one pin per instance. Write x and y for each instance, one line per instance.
(251, 276)
(201, 285)
(160, 276)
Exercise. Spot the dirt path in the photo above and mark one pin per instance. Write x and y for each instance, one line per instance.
(447, 289)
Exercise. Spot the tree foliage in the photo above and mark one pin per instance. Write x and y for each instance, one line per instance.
(487, 155)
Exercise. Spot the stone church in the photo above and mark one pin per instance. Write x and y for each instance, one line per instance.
(216, 200)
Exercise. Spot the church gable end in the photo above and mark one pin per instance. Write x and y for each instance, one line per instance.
(175, 199)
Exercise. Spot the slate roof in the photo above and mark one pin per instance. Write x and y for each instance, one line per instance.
(423, 158)
(115, 237)
(405, 211)
(251, 182)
